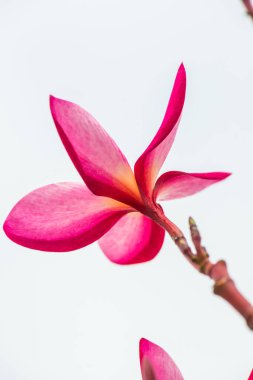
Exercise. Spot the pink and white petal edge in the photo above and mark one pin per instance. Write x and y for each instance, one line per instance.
(62, 217)
(175, 184)
(149, 163)
(96, 156)
(134, 239)
(156, 364)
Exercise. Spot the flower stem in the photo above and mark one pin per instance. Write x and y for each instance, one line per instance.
(249, 7)
(223, 286)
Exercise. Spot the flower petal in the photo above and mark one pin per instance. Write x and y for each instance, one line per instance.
(156, 364)
(134, 239)
(148, 165)
(62, 217)
(173, 185)
(95, 155)
(251, 376)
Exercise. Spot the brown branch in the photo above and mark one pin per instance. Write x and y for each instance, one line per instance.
(224, 286)
(249, 7)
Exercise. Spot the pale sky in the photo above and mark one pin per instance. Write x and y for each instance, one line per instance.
(76, 315)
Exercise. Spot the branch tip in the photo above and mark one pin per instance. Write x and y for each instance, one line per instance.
(192, 222)
(223, 286)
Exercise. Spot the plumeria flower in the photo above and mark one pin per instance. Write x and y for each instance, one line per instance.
(116, 206)
(156, 364)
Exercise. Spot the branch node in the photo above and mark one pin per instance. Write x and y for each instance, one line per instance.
(203, 263)
(219, 283)
(223, 286)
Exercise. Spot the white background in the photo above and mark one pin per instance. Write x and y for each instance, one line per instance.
(76, 315)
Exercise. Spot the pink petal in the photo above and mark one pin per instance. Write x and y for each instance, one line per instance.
(99, 161)
(134, 239)
(150, 162)
(62, 217)
(172, 185)
(156, 364)
(251, 376)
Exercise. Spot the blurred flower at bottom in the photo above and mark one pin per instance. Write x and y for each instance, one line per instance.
(156, 364)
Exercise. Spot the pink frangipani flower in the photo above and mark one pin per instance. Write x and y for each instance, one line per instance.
(117, 207)
(156, 364)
